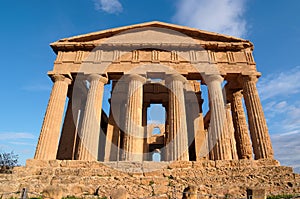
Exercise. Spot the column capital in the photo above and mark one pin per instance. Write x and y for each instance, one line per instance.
(213, 77)
(228, 105)
(94, 76)
(59, 77)
(252, 78)
(234, 94)
(137, 77)
(175, 77)
(238, 93)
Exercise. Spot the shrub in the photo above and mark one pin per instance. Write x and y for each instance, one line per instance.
(8, 161)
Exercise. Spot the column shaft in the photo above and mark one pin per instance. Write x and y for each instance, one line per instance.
(261, 141)
(90, 130)
(231, 132)
(49, 136)
(178, 137)
(68, 134)
(218, 125)
(243, 143)
(134, 132)
(112, 134)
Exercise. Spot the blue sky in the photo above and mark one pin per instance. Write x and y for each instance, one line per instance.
(29, 26)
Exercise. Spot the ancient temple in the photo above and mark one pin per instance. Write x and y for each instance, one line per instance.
(97, 136)
(154, 63)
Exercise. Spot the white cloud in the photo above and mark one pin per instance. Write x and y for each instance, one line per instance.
(222, 16)
(37, 87)
(280, 96)
(23, 143)
(282, 84)
(109, 6)
(15, 135)
(287, 149)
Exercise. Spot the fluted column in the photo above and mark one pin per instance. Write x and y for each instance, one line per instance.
(261, 141)
(178, 137)
(90, 130)
(144, 123)
(134, 133)
(49, 136)
(67, 142)
(219, 138)
(243, 143)
(231, 132)
(68, 134)
(195, 126)
(113, 131)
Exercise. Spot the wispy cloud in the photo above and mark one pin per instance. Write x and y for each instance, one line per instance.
(280, 97)
(23, 143)
(38, 87)
(15, 135)
(287, 149)
(109, 6)
(225, 16)
(282, 84)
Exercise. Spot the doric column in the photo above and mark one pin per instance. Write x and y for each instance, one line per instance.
(67, 143)
(243, 143)
(231, 132)
(90, 130)
(178, 137)
(134, 133)
(261, 142)
(67, 138)
(113, 126)
(219, 138)
(144, 124)
(49, 136)
(195, 126)
(113, 130)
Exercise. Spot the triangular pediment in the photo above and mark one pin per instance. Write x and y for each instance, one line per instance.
(150, 32)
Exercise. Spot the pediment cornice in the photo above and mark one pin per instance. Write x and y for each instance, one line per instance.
(205, 39)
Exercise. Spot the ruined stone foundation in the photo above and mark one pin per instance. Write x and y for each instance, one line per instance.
(151, 179)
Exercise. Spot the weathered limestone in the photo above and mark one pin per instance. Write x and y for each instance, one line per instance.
(66, 147)
(68, 139)
(153, 64)
(48, 140)
(219, 138)
(134, 132)
(148, 65)
(231, 132)
(177, 137)
(212, 179)
(243, 143)
(196, 132)
(261, 141)
(113, 134)
(90, 130)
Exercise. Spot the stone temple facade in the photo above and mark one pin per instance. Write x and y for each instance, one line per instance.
(154, 63)
(214, 136)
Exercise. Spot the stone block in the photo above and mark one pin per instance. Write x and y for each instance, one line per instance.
(266, 162)
(54, 163)
(157, 173)
(190, 192)
(37, 163)
(119, 193)
(244, 163)
(79, 190)
(256, 193)
(160, 189)
(180, 164)
(53, 192)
